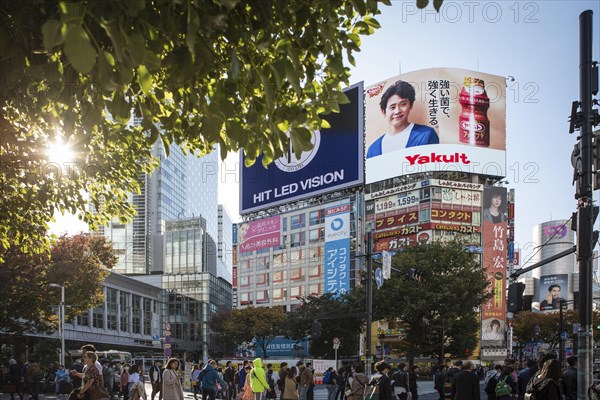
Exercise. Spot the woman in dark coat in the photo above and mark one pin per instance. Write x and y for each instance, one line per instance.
(545, 385)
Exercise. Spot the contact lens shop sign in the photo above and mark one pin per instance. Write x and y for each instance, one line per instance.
(334, 162)
(337, 249)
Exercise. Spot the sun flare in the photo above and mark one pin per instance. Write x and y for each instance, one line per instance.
(60, 152)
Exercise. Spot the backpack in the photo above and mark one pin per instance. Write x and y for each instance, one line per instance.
(448, 385)
(372, 389)
(490, 387)
(503, 388)
(327, 377)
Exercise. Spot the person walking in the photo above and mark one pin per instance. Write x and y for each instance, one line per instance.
(506, 386)
(195, 379)
(229, 377)
(465, 384)
(282, 375)
(545, 385)
(210, 377)
(124, 382)
(15, 377)
(400, 378)
(91, 376)
(306, 380)
(569, 379)
(156, 381)
(290, 386)
(329, 380)
(258, 379)
(172, 389)
(413, 386)
(61, 378)
(359, 382)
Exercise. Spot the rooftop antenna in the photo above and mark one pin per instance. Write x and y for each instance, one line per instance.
(399, 67)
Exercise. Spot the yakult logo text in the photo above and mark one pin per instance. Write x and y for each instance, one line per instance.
(438, 158)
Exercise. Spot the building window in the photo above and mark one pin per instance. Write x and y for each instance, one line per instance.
(262, 297)
(111, 308)
(83, 319)
(284, 223)
(297, 239)
(476, 218)
(296, 274)
(279, 277)
(245, 299)
(314, 271)
(124, 306)
(436, 193)
(279, 294)
(296, 292)
(279, 260)
(314, 235)
(314, 252)
(315, 217)
(244, 281)
(261, 279)
(147, 316)
(297, 221)
(315, 289)
(425, 215)
(98, 317)
(136, 310)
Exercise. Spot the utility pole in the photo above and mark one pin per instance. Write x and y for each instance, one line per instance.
(586, 212)
(369, 289)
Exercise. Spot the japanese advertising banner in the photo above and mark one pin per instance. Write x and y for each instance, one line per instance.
(438, 119)
(337, 249)
(493, 312)
(552, 290)
(259, 234)
(334, 162)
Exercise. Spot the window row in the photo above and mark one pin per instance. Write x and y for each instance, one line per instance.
(280, 294)
(281, 260)
(281, 277)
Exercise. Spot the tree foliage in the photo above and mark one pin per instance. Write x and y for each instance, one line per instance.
(524, 326)
(258, 324)
(339, 317)
(442, 307)
(80, 263)
(237, 73)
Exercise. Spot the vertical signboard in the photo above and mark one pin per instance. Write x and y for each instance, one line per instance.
(552, 289)
(337, 249)
(493, 313)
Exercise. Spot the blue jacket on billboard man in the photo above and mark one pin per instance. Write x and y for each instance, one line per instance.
(396, 104)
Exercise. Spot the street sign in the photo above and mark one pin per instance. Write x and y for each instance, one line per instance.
(379, 277)
(167, 326)
(168, 352)
(167, 339)
(386, 258)
(564, 336)
(336, 343)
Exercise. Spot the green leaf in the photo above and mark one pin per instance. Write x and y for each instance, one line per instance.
(51, 30)
(437, 4)
(422, 3)
(193, 24)
(283, 45)
(372, 22)
(79, 49)
(145, 80)
(359, 6)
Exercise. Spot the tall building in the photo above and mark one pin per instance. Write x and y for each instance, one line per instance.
(172, 244)
(225, 245)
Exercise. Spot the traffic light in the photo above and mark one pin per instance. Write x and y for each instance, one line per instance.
(415, 274)
(315, 330)
(515, 297)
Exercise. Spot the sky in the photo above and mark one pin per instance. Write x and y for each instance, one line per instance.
(535, 43)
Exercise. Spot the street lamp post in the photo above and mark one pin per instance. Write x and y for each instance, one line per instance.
(61, 322)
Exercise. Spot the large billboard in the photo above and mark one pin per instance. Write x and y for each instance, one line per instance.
(259, 234)
(552, 290)
(337, 249)
(439, 119)
(493, 313)
(335, 162)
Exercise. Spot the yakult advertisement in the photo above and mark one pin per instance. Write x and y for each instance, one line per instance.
(439, 119)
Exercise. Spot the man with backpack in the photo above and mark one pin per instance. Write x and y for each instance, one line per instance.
(329, 380)
(524, 376)
(490, 381)
(449, 378)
